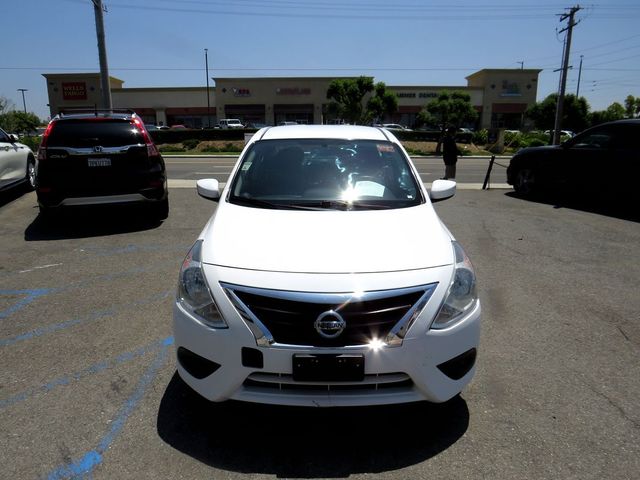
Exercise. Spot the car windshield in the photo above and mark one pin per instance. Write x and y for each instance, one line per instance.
(318, 174)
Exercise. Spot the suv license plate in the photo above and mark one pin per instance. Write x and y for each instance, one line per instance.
(99, 162)
(328, 368)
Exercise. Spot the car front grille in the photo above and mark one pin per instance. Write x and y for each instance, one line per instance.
(291, 318)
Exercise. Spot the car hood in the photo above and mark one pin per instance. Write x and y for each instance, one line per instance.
(326, 241)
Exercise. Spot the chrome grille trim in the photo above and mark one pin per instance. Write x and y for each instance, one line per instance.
(265, 338)
(71, 151)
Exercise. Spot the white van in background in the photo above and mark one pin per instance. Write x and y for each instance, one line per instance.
(226, 123)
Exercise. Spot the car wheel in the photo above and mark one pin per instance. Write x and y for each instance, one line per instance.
(31, 173)
(525, 181)
(161, 209)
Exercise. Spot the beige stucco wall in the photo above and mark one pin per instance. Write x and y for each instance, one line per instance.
(504, 86)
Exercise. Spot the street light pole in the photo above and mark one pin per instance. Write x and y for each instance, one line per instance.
(206, 63)
(24, 104)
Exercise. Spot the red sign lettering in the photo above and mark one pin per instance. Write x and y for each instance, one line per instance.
(74, 90)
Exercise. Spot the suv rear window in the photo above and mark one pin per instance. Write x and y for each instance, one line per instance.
(89, 133)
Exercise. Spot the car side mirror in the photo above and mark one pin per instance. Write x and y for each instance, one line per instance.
(441, 190)
(208, 188)
(13, 138)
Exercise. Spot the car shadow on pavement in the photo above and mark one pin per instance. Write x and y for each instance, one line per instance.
(12, 194)
(85, 222)
(307, 442)
(607, 205)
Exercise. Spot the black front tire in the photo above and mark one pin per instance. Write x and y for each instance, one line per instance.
(525, 183)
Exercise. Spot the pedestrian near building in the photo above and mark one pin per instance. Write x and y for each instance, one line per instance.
(449, 153)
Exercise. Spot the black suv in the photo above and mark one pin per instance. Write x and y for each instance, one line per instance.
(101, 157)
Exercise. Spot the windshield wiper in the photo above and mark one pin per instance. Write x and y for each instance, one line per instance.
(341, 205)
(256, 202)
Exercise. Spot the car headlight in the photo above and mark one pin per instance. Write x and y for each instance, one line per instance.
(193, 292)
(461, 296)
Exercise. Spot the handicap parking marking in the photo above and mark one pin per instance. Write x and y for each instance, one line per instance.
(39, 332)
(91, 459)
(28, 296)
(91, 370)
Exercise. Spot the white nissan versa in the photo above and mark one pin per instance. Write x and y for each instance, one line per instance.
(325, 278)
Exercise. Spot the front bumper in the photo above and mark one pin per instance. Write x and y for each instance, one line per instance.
(407, 373)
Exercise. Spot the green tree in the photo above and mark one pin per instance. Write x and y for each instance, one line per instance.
(615, 111)
(347, 97)
(632, 106)
(352, 100)
(19, 122)
(383, 103)
(5, 105)
(450, 109)
(575, 113)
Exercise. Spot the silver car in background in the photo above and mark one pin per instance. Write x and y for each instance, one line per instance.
(17, 162)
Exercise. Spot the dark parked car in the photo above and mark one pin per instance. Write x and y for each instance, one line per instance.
(100, 158)
(605, 158)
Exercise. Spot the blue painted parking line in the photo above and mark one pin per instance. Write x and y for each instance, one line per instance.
(87, 462)
(93, 369)
(38, 332)
(33, 294)
(28, 297)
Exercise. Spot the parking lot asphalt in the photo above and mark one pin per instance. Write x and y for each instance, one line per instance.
(88, 384)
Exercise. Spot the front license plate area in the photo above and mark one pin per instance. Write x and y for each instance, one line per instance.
(328, 368)
(99, 162)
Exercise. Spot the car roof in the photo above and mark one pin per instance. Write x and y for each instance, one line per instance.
(343, 132)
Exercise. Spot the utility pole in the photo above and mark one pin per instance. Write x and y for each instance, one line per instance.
(521, 65)
(579, 75)
(105, 86)
(565, 69)
(206, 63)
(24, 104)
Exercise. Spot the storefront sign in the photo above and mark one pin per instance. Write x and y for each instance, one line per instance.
(293, 91)
(74, 90)
(419, 95)
(241, 92)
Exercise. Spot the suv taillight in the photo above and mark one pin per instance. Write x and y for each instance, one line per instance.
(152, 150)
(42, 150)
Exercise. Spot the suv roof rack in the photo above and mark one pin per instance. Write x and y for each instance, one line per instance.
(95, 111)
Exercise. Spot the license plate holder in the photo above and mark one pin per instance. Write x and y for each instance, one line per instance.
(99, 162)
(328, 368)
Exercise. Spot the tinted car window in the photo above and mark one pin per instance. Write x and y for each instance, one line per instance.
(83, 133)
(4, 137)
(360, 174)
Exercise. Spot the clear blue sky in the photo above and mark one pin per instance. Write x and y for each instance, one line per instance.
(160, 43)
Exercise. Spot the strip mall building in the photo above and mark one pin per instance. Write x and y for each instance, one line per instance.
(501, 97)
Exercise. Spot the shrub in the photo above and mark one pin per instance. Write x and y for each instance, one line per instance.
(190, 143)
(32, 142)
(171, 148)
(210, 149)
(480, 137)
